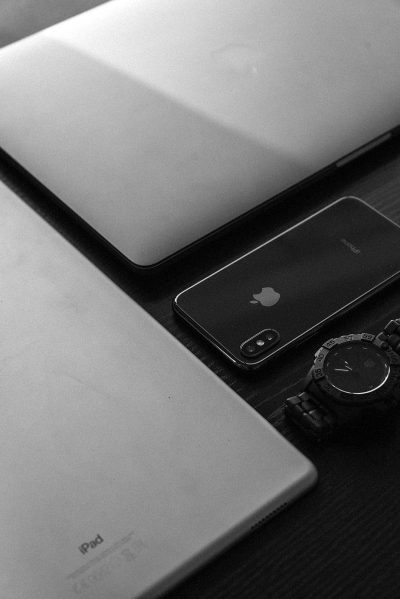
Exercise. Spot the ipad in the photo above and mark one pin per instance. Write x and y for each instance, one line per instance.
(157, 123)
(125, 463)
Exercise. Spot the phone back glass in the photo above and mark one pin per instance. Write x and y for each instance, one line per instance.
(296, 281)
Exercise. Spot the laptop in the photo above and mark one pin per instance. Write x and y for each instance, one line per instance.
(125, 462)
(157, 123)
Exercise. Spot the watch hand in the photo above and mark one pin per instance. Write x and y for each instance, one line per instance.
(347, 365)
(342, 369)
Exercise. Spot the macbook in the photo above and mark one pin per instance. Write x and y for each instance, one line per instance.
(157, 123)
(125, 463)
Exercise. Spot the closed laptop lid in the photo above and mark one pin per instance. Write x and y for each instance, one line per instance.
(159, 122)
(125, 463)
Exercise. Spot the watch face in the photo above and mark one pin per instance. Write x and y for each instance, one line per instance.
(356, 367)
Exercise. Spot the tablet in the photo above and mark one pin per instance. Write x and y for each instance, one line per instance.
(125, 463)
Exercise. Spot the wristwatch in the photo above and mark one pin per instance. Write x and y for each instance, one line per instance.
(353, 376)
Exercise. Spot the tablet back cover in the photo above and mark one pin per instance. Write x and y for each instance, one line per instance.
(125, 463)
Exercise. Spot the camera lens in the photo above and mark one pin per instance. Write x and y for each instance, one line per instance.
(260, 343)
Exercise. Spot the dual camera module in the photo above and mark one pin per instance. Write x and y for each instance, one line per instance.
(260, 343)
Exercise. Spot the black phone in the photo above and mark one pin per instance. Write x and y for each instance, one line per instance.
(278, 294)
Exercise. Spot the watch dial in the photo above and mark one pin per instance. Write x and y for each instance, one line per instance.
(356, 367)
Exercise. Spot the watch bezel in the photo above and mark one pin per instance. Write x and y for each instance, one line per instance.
(355, 399)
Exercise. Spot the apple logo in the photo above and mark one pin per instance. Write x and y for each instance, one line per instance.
(239, 59)
(267, 297)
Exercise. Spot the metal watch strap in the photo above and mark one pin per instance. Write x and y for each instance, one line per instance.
(310, 416)
(391, 335)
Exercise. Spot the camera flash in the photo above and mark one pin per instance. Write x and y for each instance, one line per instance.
(260, 342)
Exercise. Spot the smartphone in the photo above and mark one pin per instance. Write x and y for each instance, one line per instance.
(280, 293)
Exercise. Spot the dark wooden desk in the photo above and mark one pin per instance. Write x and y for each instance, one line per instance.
(341, 540)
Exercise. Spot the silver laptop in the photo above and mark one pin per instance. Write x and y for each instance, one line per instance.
(159, 122)
(125, 463)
